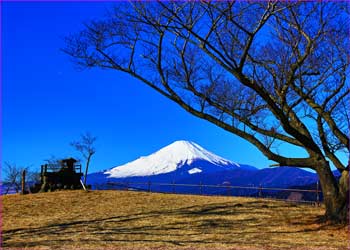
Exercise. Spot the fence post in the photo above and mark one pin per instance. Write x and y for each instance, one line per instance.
(23, 182)
(149, 186)
(173, 189)
(260, 191)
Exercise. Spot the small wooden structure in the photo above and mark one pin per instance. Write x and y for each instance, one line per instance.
(64, 175)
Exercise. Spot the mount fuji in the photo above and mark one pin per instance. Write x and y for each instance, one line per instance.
(185, 162)
(183, 156)
(179, 160)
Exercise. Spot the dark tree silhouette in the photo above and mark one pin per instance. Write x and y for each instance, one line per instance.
(85, 145)
(269, 72)
(13, 176)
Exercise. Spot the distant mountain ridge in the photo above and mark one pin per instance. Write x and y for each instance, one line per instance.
(189, 163)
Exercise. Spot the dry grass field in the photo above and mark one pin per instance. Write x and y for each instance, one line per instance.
(135, 220)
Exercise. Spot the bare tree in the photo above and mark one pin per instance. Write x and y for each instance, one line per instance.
(33, 177)
(85, 145)
(13, 176)
(269, 72)
(53, 160)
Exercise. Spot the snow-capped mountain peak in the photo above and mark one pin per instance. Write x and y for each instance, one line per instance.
(168, 159)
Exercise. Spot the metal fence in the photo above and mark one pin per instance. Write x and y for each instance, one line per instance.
(303, 195)
(313, 196)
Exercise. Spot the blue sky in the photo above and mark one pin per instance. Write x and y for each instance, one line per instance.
(47, 102)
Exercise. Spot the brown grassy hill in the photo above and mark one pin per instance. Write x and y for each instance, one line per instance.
(135, 220)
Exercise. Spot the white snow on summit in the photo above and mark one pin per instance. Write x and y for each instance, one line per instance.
(167, 159)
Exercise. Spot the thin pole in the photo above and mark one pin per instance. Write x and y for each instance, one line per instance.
(260, 191)
(23, 182)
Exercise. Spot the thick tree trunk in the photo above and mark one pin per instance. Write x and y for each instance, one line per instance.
(335, 195)
(343, 197)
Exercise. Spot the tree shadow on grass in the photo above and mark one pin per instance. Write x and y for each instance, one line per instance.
(190, 224)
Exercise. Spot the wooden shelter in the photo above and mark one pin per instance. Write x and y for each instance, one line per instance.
(66, 174)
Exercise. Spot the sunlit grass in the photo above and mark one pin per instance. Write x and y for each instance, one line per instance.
(135, 220)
